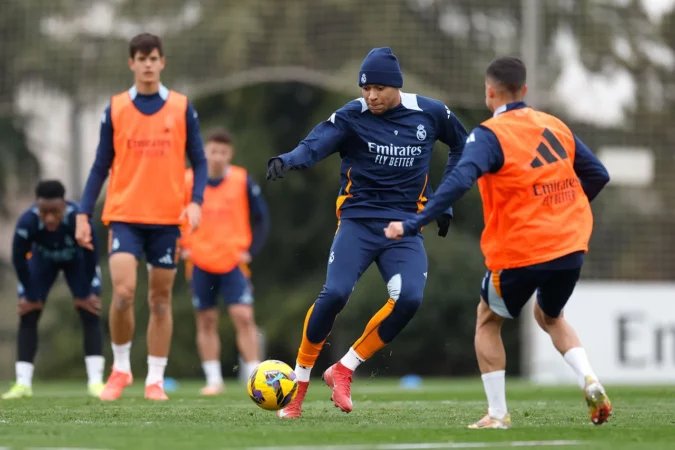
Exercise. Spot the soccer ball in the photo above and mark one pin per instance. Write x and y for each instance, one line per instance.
(272, 385)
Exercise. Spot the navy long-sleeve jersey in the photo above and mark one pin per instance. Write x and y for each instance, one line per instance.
(57, 246)
(385, 158)
(483, 154)
(105, 153)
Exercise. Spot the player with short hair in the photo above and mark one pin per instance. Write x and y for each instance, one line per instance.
(536, 180)
(385, 140)
(44, 245)
(145, 135)
(233, 229)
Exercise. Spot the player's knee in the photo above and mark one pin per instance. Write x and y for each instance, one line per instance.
(207, 320)
(544, 320)
(159, 307)
(410, 299)
(123, 296)
(242, 317)
(334, 297)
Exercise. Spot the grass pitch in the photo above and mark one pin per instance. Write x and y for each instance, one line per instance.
(385, 417)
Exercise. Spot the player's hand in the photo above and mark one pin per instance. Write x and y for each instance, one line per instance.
(193, 212)
(24, 306)
(91, 304)
(443, 222)
(276, 169)
(184, 253)
(394, 230)
(83, 231)
(245, 258)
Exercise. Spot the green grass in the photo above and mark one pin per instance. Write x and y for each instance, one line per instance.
(61, 415)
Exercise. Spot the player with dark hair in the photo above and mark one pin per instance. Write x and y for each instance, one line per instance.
(385, 140)
(233, 229)
(44, 245)
(536, 180)
(146, 133)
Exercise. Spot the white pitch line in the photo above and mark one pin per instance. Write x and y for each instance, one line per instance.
(427, 446)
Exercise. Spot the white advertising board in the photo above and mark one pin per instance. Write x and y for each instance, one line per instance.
(627, 329)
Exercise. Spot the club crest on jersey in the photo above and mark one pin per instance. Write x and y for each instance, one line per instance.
(363, 78)
(421, 132)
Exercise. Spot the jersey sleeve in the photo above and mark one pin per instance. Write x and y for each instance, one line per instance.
(105, 153)
(482, 154)
(323, 140)
(451, 132)
(22, 242)
(589, 169)
(195, 153)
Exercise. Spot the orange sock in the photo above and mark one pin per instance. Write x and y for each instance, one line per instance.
(308, 351)
(370, 341)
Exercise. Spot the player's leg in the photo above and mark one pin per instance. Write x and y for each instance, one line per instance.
(161, 249)
(87, 299)
(552, 297)
(125, 247)
(205, 287)
(236, 289)
(353, 250)
(403, 266)
(503, 295)
(43, 273)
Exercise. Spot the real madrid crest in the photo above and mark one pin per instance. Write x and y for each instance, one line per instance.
(421, 132)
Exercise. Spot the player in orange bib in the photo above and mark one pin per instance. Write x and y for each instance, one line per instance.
(146, 133)
(536, 179)
(232, 231)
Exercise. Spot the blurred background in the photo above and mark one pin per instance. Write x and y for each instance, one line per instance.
(269, 70)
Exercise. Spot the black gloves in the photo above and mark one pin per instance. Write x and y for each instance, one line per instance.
(276, 169)
(443, 222)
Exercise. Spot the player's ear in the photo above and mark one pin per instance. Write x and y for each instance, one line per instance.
(524, 91)
(131, 64)
(162, 60)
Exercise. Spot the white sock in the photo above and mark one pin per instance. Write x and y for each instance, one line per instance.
(249, 367)
(122, 357)
(351, 360)
(24, 373)
(94, 364)
(577, 359)
(156, 366)
(213, 372)
(302, 372)
(495, 390)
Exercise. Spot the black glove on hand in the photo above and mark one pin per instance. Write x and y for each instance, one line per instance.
(276, 169)
(443, 223)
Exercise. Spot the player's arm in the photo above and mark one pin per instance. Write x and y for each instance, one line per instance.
(589, 169)
(260, 219)
(105, 153)
(452, 133)
(21, 246)
(196, 156)
(322, 141)
(185, 231)
(90, 255)
(482, 154)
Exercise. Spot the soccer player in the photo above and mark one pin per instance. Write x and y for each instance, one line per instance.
(536, 180)
(44, 245)
(385, 141)
(233, 229)
(145, 135)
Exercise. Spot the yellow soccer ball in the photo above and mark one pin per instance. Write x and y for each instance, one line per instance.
(272, 385)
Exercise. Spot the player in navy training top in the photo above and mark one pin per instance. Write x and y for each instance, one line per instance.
(385, 141)
(44, 245)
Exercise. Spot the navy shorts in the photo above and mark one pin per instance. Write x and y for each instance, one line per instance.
(507, 291)
(234, 286)
(159, 243)
(43, 273)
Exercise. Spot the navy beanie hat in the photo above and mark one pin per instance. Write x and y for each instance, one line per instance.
(381, 67)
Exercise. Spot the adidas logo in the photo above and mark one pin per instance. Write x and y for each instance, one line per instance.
(545, 153)
(166, 259)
